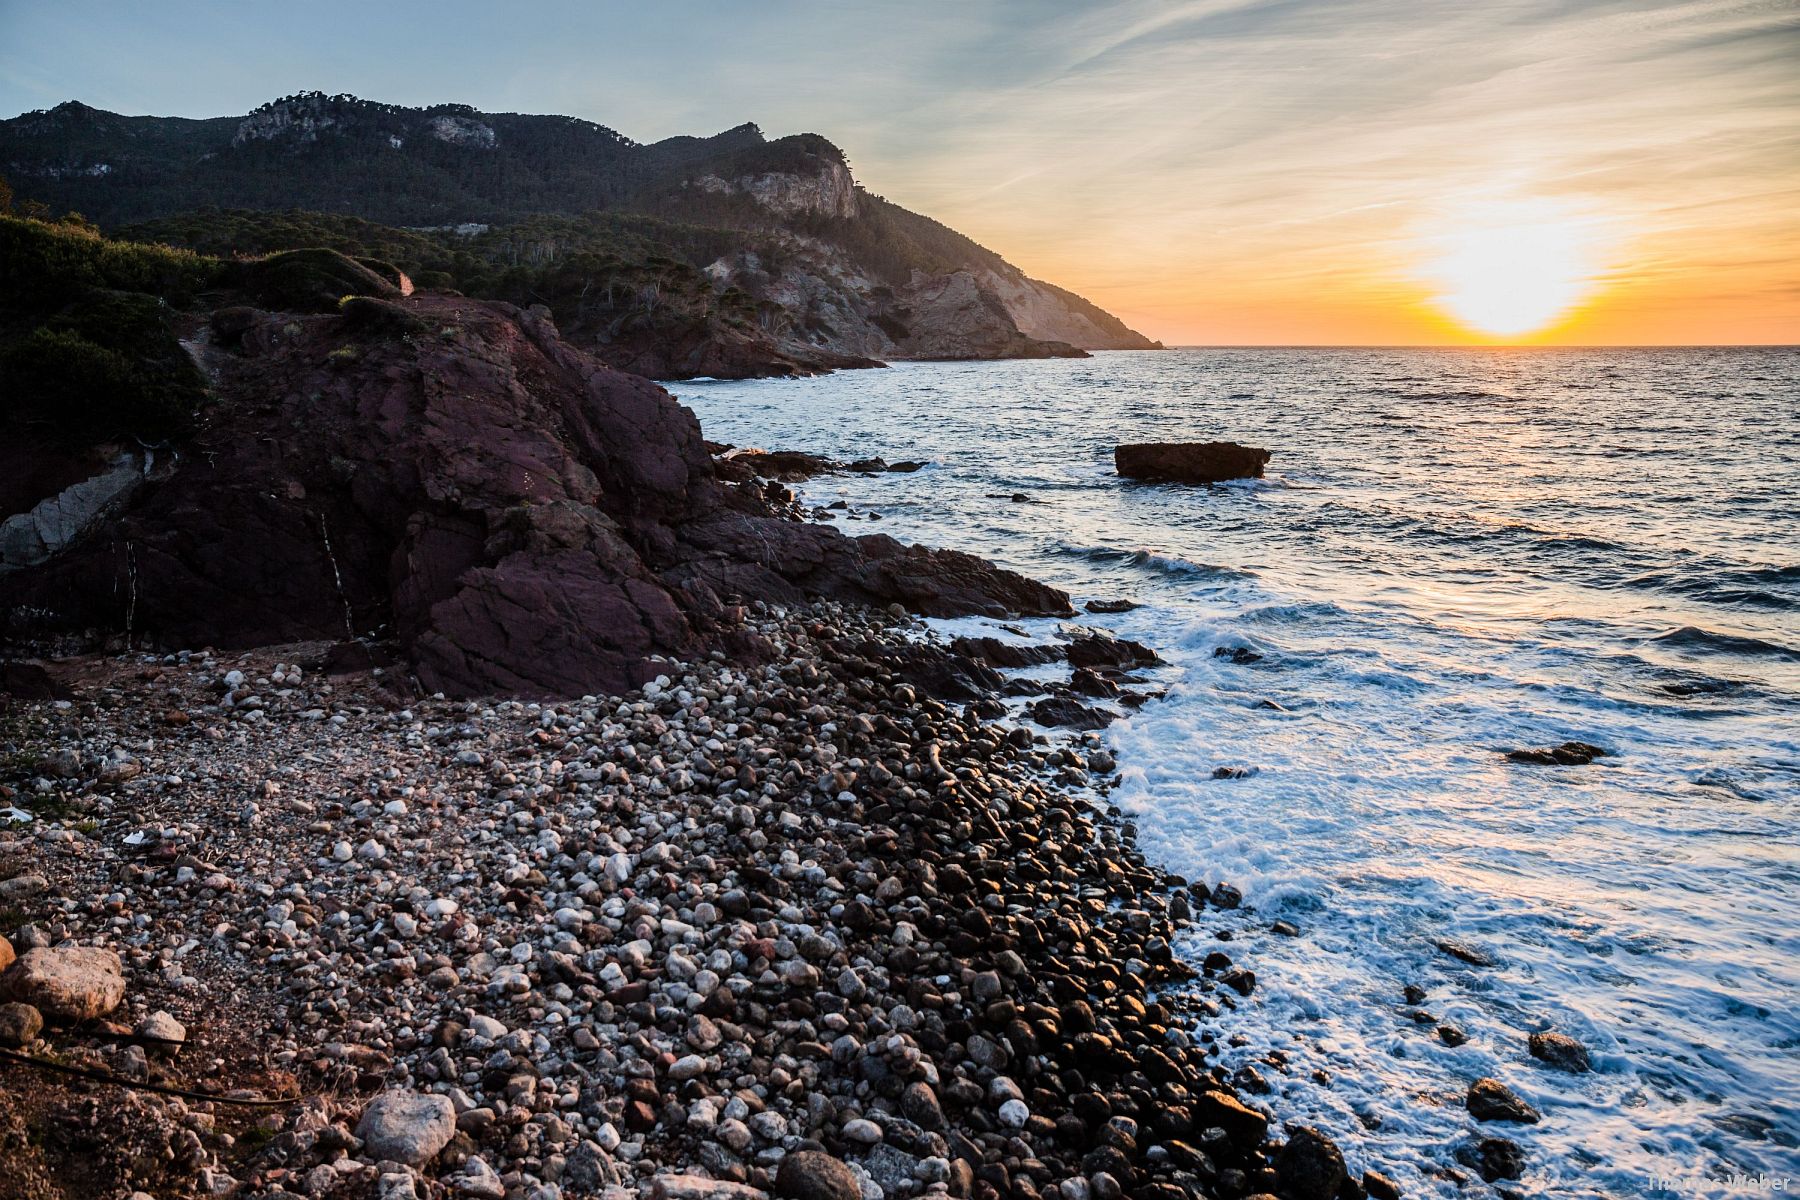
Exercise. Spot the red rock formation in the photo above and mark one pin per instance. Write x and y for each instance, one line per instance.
(519, 517)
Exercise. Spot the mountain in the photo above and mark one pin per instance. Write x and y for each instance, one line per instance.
(727, 255)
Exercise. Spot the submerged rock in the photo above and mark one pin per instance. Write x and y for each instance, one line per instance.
(1190, 462)
(1569, 754)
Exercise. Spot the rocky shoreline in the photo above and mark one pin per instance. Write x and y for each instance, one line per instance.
(825, 927)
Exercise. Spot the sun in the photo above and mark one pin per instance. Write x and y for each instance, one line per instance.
(1512, 268)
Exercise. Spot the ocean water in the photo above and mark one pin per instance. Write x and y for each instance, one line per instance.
(1455, 553)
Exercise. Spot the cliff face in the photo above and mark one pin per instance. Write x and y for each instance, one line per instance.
(521, 518)
(809, 272)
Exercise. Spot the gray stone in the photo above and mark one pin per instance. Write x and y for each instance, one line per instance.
(407, 1127)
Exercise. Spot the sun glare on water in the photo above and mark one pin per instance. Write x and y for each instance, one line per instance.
(1510, 270)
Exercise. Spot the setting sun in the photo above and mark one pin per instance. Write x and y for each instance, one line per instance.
(1512, 269)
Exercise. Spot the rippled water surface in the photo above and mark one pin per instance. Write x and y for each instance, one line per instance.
(1456, 553)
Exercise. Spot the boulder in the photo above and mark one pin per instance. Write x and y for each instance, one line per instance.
(1491, 1100)
(1189, 462)
(407, 1127)
(74, 983)
(1560, 1051)
(6, 953)
(815, 1175)
(1310, 1165)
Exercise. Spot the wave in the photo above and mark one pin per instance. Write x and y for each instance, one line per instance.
(1707, 641)
(1751, 588)
(1164, 564)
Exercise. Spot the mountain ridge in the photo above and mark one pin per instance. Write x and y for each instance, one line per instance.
(804, 269)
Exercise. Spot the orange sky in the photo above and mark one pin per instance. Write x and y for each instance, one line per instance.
(1250, 173)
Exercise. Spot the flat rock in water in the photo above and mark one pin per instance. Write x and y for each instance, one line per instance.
(1491, 1100)
(74, 983)
(407, 1127)
(1569, 754)
(1189, 462)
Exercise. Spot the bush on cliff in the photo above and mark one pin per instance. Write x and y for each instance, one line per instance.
(312, 280)
(43, 262)
(108, 366)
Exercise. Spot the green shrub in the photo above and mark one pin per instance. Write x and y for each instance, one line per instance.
(311, 280)
(107, 367)
(43, 264)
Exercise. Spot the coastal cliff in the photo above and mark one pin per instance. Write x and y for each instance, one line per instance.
(727, 256)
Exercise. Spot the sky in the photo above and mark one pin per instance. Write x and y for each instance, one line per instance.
(1213, 171)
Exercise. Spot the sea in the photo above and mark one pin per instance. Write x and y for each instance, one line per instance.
(1455, 553)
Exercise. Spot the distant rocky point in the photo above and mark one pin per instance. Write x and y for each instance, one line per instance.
(728, 256)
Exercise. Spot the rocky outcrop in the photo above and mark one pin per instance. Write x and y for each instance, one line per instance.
(520, 518)
(1189, 462)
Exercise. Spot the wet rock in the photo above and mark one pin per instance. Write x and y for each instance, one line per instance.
(1379, 1186)
(407, 1127)
(1491, 1100)
(74, 983)
(1495, 1158)
(1069, 713)
(1467, 953)
(1310, 1165)
(1241, 1123)
(19, 1024)
(1452, 1035)
(1100, 650)
(1569, 754)
(1110, 606)
(814, 1175)
(1560, 1051)
(1240, 655)
(1190, 462)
